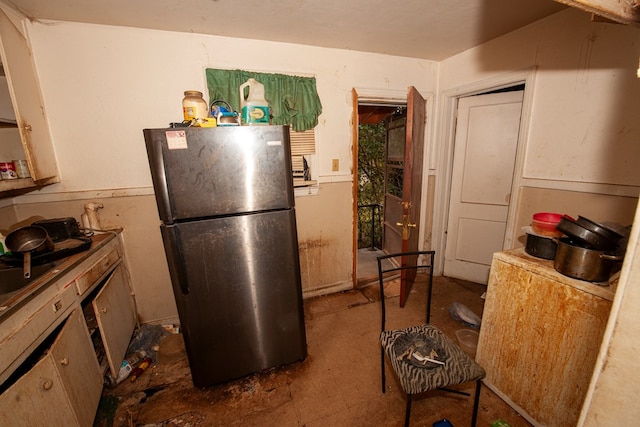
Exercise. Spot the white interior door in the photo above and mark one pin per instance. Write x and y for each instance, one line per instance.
(484, 157)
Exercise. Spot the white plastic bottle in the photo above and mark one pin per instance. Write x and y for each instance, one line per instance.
(255, 109)
(126, 367)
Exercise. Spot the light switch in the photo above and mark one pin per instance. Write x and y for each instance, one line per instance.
(335, 165)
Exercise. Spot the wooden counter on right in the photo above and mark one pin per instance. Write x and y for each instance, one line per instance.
(540, 336)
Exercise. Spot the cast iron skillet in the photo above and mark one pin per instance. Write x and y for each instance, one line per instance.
(584, 236)
(600, 229)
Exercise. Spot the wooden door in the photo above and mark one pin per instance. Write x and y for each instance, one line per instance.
(484, 158)
(403, 186)
(394, 166)
(116, 315)
(24, 88)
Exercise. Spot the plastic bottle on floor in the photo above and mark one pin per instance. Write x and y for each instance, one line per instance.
(126, 367)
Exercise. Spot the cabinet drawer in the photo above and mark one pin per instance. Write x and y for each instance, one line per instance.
(91, 276)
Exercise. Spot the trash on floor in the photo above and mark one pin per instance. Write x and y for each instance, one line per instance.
(462, 313)
(142, 349)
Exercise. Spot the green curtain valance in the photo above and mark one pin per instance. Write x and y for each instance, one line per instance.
(293, 99)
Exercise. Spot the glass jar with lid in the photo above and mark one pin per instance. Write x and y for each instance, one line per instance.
(194, 106)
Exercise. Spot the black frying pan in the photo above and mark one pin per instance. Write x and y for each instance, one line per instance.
(26, 240)
(600, 229)
(586, 237)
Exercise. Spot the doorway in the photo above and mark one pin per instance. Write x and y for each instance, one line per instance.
(374, 122)
(404, 152)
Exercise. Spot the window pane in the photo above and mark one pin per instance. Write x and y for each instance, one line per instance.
(394, 180)
(396, 143)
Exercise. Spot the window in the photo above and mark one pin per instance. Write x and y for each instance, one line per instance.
(293, 101)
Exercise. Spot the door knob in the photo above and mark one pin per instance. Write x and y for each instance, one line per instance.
(405, 224)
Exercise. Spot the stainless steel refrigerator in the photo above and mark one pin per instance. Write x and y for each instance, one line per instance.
(225, 198)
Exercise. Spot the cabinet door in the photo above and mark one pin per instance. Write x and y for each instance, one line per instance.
(63, 388)
(37, 398)
(26, 98)
(78, 368)
(115, 311)
(539, 341)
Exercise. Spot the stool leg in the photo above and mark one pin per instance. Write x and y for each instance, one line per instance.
(476, 402)
(407, 414)
(382, 369)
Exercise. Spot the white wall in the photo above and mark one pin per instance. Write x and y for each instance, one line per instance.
(583, 123)
(612, 399)
(102, 85)
(581, 107)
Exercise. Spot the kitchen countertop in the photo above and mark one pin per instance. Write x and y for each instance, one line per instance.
(11, 301)
(545, 268)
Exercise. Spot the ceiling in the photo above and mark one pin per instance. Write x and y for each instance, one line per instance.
(427, 29)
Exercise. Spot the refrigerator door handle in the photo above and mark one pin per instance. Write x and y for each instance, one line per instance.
(172, 245)
(159, 177)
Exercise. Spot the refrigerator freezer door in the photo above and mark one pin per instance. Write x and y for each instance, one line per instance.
(206, 172)
(237, 286)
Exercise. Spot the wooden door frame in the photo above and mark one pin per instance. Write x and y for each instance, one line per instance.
(444, 163)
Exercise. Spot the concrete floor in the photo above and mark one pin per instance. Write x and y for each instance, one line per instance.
(337, 385)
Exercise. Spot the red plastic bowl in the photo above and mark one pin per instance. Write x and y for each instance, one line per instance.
(544, 223)
(547, 217)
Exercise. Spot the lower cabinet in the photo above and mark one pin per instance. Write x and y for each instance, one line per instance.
(63, 387)
(540, 337)
(60, 374)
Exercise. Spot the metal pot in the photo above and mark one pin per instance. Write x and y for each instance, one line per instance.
(26, 240)
(584, 263)
(584, 236)
(540, 246)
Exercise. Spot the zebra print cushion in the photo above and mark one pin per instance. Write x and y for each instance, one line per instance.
(458, 367)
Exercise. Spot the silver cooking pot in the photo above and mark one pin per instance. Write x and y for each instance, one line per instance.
(585, 264)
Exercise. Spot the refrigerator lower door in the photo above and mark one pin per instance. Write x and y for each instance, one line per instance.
(237, 286)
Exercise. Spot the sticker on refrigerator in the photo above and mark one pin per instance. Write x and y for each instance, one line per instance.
(274, 142)
(176, 140)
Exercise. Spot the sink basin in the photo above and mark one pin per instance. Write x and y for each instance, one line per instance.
(12, 278)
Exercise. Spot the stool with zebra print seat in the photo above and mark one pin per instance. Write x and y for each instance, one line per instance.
(422, 356)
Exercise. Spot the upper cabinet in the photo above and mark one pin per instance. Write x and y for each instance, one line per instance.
(32, 141)
(623, 11)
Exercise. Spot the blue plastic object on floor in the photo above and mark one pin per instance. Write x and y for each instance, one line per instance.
(443, 423)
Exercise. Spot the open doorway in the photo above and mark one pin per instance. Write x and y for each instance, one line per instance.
(375, 121)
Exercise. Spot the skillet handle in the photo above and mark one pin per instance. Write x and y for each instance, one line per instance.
(27, 264)
(612, 257)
